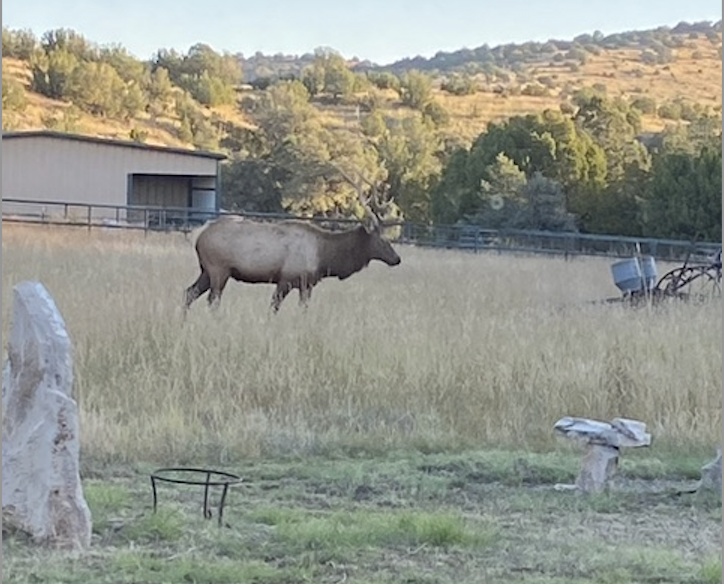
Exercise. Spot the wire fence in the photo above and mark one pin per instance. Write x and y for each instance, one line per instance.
(465, 237)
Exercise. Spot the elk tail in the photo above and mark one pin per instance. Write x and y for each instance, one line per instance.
(193, 235)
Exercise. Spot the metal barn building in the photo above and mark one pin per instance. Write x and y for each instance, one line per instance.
(49, 170)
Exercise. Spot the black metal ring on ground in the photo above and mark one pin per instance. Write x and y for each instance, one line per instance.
(223, 480)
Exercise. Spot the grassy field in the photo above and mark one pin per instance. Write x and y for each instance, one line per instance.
(398, 430)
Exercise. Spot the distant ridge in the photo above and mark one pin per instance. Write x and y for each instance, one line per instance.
(506, 55)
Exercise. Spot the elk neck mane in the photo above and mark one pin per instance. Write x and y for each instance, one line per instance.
(344, 253)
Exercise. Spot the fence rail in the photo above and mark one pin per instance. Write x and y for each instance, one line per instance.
(462, 237)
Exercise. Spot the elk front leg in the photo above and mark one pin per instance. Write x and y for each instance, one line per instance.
(305, 293)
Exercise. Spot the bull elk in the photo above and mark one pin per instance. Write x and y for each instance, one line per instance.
(291, 254)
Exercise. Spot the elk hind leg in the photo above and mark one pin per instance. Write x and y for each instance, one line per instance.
(217, 283)
(199, 287)
(282, 289)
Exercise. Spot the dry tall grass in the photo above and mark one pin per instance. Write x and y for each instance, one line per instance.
(446, 350)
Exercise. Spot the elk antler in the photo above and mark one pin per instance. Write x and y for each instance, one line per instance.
(371, 202)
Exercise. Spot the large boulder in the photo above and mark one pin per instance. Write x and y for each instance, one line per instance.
(42, 493)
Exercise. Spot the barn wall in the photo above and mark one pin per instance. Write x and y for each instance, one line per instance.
(54, 169)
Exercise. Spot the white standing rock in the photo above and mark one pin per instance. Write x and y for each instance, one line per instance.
(42, 493)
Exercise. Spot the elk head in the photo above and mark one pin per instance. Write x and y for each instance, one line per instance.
(375, 204)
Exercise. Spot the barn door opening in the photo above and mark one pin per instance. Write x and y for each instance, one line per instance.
(172, 193)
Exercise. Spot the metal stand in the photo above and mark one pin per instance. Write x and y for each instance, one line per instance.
(174, 475)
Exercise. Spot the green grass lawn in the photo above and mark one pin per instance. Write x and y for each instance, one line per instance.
(413, 518)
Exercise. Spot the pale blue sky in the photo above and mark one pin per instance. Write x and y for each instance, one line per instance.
(380, 30)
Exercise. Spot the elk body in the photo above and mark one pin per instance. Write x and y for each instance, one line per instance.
(290, 254)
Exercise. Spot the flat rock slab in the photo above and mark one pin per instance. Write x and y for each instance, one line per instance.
(603, 441)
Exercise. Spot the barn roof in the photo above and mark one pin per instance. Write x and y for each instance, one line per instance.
(110, 142)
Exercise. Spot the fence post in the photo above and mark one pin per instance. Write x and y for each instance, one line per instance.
(90, 216)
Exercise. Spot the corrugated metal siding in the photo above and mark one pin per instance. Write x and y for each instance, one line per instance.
(46, 168)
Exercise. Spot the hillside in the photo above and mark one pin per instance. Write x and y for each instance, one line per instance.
(41, 112)
(659, 68)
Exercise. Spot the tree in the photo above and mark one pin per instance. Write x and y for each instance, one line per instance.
(201, 58)
(68, 40)
(409, 150)
(171, 61)
(97, 88)
(51, 72)
(436, 113)
(549, 143)
(290, 144)
(373, 125)
(645, 104)
(14, 101)
(133, 100)
(614, 126)
(385, 80)
(329, 73)
(449, 197)
(691, 138)
(313, 78)
(251, 185)
(160, 91)
(510, 200)
(19, 44)
(194, 126)
(67, 121)
(339, 81)
(458, 84)
(683, 198)
(130, 69)
(14, 98)
(416, 90)
(208, 90)
(499, 202)
(545, 206)
(209, 77)
(283, 112)
(571, 152)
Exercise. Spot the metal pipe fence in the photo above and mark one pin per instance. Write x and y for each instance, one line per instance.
(463, 237)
